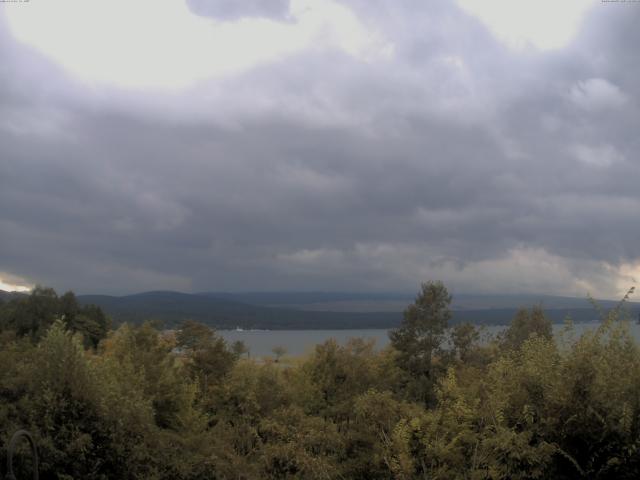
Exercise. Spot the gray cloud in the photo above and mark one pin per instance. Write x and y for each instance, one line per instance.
(456, 159)
(233, 10)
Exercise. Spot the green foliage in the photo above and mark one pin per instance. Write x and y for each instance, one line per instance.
(147, 404)
(146, 355)
(419, 338)
(32, 315)
(464, 339)
(527, 323)
(208, 359)
(239, 348)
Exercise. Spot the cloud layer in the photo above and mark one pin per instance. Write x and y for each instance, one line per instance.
(396, 143)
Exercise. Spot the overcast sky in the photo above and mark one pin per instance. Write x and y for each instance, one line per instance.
(365, 145)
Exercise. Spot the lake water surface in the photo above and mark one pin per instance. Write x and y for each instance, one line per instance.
(299, 342)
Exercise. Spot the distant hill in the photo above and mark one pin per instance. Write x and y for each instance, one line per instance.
(476, 302)
(302, 298)
(372, 302)
(4, 295)
(170, 308)
(257, 310)
(324, 310)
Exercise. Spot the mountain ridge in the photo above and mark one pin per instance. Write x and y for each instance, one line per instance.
(230, 310)
(323, 310)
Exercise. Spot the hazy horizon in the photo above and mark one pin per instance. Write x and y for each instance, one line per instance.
(350, 295)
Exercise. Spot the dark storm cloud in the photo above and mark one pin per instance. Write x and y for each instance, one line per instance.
(456, 158)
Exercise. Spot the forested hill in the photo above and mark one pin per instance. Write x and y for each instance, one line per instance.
(282, 310)
(5, 296)
(338, 301)
(170, 308)
(323, 310)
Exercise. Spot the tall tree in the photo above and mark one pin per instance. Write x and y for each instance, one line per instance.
(420, 335)
(464, 336)
(527, 323)
(209, 358)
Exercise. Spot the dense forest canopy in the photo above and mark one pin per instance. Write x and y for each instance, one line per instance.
(141, 403)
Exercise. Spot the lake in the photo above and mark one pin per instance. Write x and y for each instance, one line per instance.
(299, 342)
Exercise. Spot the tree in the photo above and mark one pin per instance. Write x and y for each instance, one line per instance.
(89, 320)
(463, 337)
(279, 351)
(525, 324)
(420, 335)
(89, 421)
(209, 359)
(193, 335)
(239, 348)
(31, 316)
(92, 323)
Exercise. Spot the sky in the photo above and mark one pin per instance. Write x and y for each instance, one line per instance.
(360, 145)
